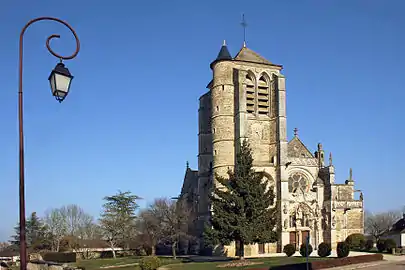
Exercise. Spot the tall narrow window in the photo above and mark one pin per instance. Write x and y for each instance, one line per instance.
(250, 94)
(263, 101)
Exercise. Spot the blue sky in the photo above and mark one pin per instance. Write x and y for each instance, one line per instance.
(130, 121)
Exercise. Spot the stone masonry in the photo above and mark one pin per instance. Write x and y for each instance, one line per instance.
(246, 99)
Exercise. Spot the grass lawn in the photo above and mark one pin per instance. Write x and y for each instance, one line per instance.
(119, 263)
(264, 262)
(171, 264)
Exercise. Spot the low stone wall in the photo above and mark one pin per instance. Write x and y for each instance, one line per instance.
(45, 265)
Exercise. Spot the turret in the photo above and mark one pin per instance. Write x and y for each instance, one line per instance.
(222, 117)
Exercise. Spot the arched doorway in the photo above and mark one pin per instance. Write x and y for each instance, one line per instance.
(302, 225)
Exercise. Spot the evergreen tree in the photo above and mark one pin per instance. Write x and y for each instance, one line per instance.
(35, 233)
(241, 206)
(117, 221)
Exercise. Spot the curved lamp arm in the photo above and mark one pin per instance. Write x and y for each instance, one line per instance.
(23, 250)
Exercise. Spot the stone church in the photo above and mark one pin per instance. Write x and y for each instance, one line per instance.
(246, 99)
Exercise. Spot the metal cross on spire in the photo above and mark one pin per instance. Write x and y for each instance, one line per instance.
(244, 25)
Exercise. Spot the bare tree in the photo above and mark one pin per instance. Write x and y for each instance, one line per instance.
(75, 218)
(174, 218)
(4, 245)
(149, 228)
(379, 223)
(57, 227)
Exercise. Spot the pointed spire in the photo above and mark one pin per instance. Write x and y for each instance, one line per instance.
(224, 53)
(330, 159)
(187, 165)
(350, 181)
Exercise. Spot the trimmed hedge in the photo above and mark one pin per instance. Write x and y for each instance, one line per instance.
(324, 250)
(303, 249)
(342, 250)
(60, 257)
(149, 263)
(289, 250)
(356, 241)
(322, 264)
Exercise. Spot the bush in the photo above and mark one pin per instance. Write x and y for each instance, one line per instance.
(342, 250)
(289, 250)
(60, 257)
(149, 263)
(381, 245)
(368, 245)
(303, 250)
(106, 254)
(389, 245)
(324, 250)
(356, 241)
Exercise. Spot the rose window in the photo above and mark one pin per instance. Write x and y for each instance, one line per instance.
(297, 182)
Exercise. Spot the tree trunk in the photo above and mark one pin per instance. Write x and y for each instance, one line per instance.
(153, 250)
(57, 245)
(112, 249)
(174, 249)
(241, 252)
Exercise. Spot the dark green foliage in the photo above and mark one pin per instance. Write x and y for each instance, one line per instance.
(369, 245)
(381, 245)
(118, 217)
(106, 254)
(149, 263)
(324, 249)
(303, 249)
(389, 245)
(60, 257)
(342, 250)
(356, 241)
(36, 236)
(289, 250)
(241, 210)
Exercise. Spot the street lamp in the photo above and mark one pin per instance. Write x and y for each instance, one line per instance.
(60, 80)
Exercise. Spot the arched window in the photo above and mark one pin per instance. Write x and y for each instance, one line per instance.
(298, 182)
(263, 94)
(250, 94)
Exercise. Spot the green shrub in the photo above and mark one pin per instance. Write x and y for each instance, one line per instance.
(381, 245)
(342, 250)
(303, 250)
(389, 245)
(369, 245)
(149, 263)
(324, 250)
(60, 257)
(289, 250)
(356, 241)
(106, 254)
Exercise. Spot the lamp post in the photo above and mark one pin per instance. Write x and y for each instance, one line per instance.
(60, 80)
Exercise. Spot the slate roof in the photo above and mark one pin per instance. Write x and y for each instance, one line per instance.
(399, 226)
(223, 55)
(248, 55)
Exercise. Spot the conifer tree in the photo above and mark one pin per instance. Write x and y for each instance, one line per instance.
(241, 206)
(36, 236)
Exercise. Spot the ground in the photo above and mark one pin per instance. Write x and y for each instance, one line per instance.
(207, 263)
(389, 266)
